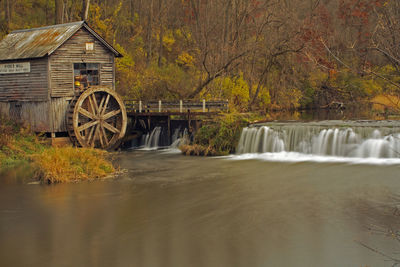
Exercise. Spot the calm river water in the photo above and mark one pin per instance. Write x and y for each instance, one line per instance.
(171, 210)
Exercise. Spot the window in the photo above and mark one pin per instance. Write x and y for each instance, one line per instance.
(86, 74)
(89, 46)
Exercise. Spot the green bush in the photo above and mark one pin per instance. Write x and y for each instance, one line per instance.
(220, 136)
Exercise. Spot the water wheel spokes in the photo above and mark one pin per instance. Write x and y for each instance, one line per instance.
(98, 119)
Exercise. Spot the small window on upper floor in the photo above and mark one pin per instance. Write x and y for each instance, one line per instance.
(89, 46)
(86, 74)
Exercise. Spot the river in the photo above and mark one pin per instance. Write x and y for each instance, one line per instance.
(172, 210)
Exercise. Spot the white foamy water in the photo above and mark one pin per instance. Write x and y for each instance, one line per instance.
(151, 141)
(179, 138)
(294, 157)
(303, 142)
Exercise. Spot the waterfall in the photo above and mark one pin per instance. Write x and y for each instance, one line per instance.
(349, 141)
(179, 138)
(152, 140)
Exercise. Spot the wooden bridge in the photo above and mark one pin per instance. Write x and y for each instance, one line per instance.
(180, 107)
(144, 116)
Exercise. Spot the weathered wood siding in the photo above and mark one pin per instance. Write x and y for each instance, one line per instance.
(4, 108)
(58, 111)
(32, 86)
(45, 116)
(35, 114)
(74, 51)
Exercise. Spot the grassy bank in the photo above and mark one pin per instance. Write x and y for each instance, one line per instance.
(218, 137)
(20, 147)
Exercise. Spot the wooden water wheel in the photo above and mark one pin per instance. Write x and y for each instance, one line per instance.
(97, 118)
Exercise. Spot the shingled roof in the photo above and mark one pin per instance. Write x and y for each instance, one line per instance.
(40, 42)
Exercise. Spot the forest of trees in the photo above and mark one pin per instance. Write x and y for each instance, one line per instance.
(259, 54)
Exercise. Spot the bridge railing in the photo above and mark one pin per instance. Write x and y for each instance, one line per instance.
(181, 106)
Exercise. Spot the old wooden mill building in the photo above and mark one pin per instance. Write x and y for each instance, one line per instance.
(60, 80)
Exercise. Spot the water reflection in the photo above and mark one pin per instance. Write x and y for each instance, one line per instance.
(171, 210)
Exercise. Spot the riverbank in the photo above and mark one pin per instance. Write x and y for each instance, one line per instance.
(20, 147)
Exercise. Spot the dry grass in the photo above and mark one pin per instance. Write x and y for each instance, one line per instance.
(70, 164)
(17, 144)
(199, 150)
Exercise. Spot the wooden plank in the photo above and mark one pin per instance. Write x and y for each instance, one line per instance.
(58, 110)
(32, 86)
(33, 113)
(74, 51)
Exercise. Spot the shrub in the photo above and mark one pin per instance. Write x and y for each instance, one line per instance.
(219, 137)
(70, 164)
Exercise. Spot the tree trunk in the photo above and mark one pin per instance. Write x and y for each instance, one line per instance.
(132, 10)
(47, 12)
(66, 14)
(149, 34)
(85, 9)
(59, 6)
(161, 36)
(7, 14)
(140, 11)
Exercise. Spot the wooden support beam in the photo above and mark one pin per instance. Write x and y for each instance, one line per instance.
(169, 130)
(189, 121)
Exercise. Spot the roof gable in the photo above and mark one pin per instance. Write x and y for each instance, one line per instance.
(40, 42)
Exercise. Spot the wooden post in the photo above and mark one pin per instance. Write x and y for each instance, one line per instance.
(140, 106)
(204, 105)
(169, 130)
(189, 121)
(180, 106)
(159, 105)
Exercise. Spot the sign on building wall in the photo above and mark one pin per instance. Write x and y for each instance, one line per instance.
(21, 67)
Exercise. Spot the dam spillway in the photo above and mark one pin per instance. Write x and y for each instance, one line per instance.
(345, 139)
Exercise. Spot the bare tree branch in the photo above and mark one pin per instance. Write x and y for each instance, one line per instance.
(364, 71)
(218, 73)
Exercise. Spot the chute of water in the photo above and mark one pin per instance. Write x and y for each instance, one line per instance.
(322, 140)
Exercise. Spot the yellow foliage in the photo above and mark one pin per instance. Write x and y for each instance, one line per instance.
(264, 99)
(386, 101)
(372, 87)
(317, 77)
(168, 41)
(178, 33)
(126, 61)
(236, 90)
(289, 98)
(185, 59)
